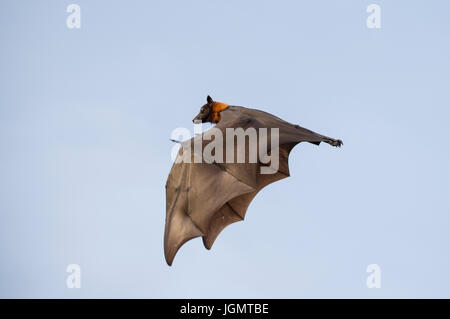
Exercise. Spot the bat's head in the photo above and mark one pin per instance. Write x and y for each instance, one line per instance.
(206, 112)
(210, 112)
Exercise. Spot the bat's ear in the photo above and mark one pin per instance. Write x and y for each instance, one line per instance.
(209, 99)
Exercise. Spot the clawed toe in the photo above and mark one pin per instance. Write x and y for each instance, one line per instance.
(337, 143)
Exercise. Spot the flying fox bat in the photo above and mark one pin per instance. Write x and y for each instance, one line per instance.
(202, 198)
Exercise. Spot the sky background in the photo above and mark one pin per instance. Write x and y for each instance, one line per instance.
(85, 120)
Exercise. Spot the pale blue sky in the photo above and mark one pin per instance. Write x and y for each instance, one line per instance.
(85, 119)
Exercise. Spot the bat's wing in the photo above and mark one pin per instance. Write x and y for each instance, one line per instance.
(202, 199)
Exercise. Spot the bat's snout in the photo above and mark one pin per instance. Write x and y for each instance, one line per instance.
(197, 119)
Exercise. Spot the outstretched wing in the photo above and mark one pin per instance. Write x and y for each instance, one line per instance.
(202, 198)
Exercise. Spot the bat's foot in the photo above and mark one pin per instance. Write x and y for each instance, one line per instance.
(337, 143)
(333, 142)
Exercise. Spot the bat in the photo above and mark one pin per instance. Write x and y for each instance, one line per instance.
(203, 197)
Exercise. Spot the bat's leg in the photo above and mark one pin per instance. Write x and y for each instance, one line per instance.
(326, 139)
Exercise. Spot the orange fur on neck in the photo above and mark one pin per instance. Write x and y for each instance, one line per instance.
(216, 109)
